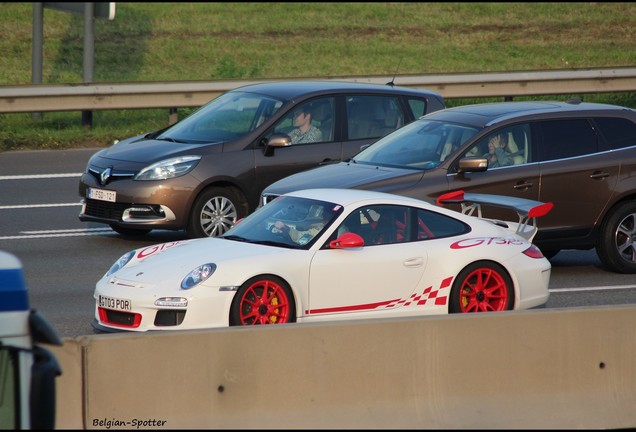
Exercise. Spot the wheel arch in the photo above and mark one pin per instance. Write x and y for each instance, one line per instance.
(509, 272)
(296, 296)
(607, 211)
(221, 183)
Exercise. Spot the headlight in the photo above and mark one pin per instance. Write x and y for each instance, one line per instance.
(198, 275)
(120, 262)
(169, 168)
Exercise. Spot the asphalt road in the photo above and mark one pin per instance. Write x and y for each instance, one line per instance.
(63, 257)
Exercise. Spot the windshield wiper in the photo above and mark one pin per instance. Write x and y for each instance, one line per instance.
(170, 139)
(275, 243)
(235, 238)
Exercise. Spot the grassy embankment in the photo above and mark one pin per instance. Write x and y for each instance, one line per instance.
(218, 41)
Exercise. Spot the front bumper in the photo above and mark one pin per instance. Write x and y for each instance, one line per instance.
(161, 204)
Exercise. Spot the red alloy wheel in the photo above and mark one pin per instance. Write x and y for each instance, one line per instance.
(263, 300)
(482, 287)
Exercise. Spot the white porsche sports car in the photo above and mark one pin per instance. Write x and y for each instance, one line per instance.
(333, 254)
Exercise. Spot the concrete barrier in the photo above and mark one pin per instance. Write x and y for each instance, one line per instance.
(550, 368)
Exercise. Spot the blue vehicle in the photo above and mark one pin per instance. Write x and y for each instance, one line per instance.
(27, 370)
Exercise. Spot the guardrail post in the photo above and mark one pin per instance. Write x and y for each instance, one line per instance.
(173, 116)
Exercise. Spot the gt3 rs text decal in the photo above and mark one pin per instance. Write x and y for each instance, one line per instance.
(428, 296)
(151, 250)
(479, 241)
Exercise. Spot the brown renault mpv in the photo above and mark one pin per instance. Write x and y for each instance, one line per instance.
(579, 156)
(208, 170)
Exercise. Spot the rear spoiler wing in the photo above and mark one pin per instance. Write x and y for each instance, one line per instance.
(527, 210)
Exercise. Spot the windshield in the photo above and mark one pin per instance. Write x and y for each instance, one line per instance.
(230, 116)
(287, 222)
(423, 144)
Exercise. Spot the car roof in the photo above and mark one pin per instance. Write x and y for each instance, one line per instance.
(347, 197)
(486, 114)
(290, 90)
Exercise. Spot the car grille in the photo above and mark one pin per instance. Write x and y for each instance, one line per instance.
(118, 318)
(105, 209)
(115, 175)
(167, 318)
(164, 318)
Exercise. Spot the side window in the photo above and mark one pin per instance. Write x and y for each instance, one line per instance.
(307, 123)
(372, 116)
(504, 147)
(435, 225)
(618, 132)
(417, 106)
(566, 138)
(322, 116)
(384, 224)
(390, 224)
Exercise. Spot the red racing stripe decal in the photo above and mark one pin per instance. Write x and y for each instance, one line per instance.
(416, 299)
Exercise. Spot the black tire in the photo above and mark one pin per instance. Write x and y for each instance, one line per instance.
(616, 244)
(215, 211)
(130, 232)
(482, 286)
(262, 300)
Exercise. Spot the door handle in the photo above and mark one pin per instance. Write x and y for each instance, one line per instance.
(414, 262)
(599, 175)
(523, 185)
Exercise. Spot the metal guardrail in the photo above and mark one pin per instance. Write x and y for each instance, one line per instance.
(177, 94)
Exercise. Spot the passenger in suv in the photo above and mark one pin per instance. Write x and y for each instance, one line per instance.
(208, 170)
(579, 156)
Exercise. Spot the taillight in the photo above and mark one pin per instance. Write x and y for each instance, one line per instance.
(533, 252)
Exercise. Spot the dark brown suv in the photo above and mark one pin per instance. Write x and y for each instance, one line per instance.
(207, 171)
(579, 156)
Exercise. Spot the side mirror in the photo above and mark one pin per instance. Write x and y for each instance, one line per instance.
(346, 241)
(275, 141)
(472, 165)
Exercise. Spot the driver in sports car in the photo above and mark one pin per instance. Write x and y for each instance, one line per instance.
(297, 235)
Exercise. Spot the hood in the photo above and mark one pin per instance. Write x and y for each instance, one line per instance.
(143, 150)
(347, 175)
(169, 263)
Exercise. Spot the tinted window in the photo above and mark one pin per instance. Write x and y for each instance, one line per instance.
(435, 225)
(372, 116)
(618, 132)
(566, 138)
(387, 224)
(417, 106)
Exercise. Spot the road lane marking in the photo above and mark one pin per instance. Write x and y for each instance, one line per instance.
(597, 288)
(60, 233)
(78, 230)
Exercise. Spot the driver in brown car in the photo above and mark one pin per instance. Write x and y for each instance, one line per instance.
(305, 132)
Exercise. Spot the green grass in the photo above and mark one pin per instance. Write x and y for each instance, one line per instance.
(219, 41)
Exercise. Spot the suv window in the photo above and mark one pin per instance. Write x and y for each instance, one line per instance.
(566, 138)
(372, 116)
(514, 146)
(618, 132)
